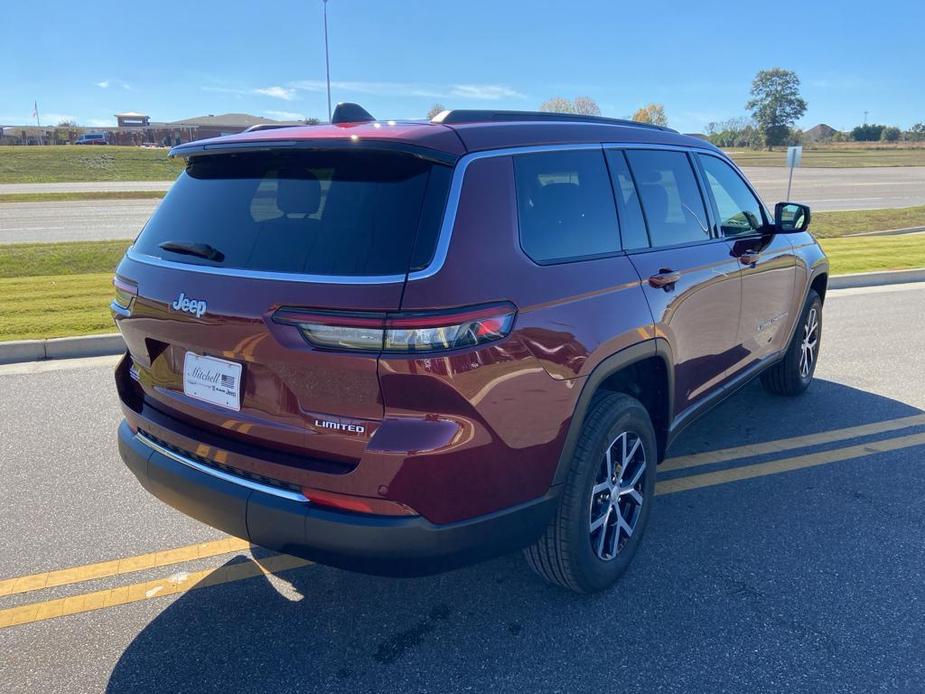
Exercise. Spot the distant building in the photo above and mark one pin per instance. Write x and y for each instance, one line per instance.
(132, 120)
(138, 129)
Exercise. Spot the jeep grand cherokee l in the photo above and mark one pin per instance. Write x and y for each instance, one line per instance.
(402, 347)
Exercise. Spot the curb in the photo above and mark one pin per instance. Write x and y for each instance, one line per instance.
(886, 232)
(61, 348)
(876, 279)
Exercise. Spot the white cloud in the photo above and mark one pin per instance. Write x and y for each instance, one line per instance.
(284, 115)
(284, 93)
(489, 92)
(106, 84)
(55, 118)
(100, 122)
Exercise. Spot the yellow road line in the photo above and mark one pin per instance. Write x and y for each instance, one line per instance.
(148, 590)
(182, 581)
(117, 567)
(747, 451)
(709, 479)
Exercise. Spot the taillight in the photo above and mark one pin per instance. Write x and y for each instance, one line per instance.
(402, 333)
(125, 292)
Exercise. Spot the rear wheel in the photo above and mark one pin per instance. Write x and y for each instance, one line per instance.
(793, 374)
(606, 501)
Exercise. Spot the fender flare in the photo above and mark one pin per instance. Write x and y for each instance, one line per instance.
(657, 347)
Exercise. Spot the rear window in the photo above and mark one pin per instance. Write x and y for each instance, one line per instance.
(319, 213)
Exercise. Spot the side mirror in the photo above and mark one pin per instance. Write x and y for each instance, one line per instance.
(791, 217)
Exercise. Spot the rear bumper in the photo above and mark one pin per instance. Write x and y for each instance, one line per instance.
(372, 544)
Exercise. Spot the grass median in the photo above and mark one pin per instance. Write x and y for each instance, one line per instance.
(83, 195)
(836, 156)
(64, 163)
(61, 289)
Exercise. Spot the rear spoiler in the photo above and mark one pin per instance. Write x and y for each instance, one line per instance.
(208, 147)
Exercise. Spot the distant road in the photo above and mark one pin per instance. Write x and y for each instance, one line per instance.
(842, 189)
(84, 220)
(83, 187)
(822, 189)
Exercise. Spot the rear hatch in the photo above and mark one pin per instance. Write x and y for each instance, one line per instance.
(241, 236)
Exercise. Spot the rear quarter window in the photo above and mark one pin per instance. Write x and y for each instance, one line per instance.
(565, 206)
(315, 213)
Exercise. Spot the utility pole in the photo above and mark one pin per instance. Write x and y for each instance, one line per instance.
(865, 112)
(327, 60)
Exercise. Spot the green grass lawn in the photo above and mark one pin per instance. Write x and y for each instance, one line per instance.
(83, 195)
(37, 259)
(871, 253)
(834, 156)
(53, 164)
(832, 224)
(60, 289)
(55, 306)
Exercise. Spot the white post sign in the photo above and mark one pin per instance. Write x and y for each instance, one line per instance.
(794, 154)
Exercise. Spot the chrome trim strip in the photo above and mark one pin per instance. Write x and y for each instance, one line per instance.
(234, 479)
(131, 254)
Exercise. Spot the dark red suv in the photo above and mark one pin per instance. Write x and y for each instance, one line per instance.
(401, 347)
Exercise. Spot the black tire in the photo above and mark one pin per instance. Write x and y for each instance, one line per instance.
(788, 376)
(564, 555)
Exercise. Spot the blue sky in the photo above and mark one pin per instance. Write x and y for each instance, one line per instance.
(174, 60)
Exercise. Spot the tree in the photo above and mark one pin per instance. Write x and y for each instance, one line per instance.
(890, 134)
(734, 132)
(916, 132)
(67, 124)
(651, 113)
(582, 105)
(776, 104)
(869, 132)
(434, 110)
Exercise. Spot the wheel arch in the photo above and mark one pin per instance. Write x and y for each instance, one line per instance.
(642, 371)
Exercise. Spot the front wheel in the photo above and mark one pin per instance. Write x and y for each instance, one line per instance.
(606, 499)
(793, 374)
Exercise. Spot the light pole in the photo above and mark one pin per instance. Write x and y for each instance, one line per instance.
(327, 60)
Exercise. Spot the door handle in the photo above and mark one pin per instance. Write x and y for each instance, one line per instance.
(665, 279)
(749, 259)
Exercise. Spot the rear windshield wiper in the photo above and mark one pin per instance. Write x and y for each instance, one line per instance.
(200, 250)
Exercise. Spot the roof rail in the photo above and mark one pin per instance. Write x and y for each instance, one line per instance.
(272, 126)
(480, 116)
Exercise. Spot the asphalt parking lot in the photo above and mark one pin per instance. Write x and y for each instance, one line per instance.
(785, 553)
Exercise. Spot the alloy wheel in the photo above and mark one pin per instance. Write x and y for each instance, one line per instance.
(810, 343)
(617, 495)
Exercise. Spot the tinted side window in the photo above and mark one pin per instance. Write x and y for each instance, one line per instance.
(739, 210)
(670, 196)
(565, 204)
(632, 223)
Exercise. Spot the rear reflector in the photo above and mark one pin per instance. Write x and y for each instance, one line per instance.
(402, 333)
(357, 504)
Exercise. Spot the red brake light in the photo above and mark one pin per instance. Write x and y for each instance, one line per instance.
(402, 333)
(125, 291)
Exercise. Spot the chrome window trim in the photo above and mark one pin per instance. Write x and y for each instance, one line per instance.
(227, 477)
